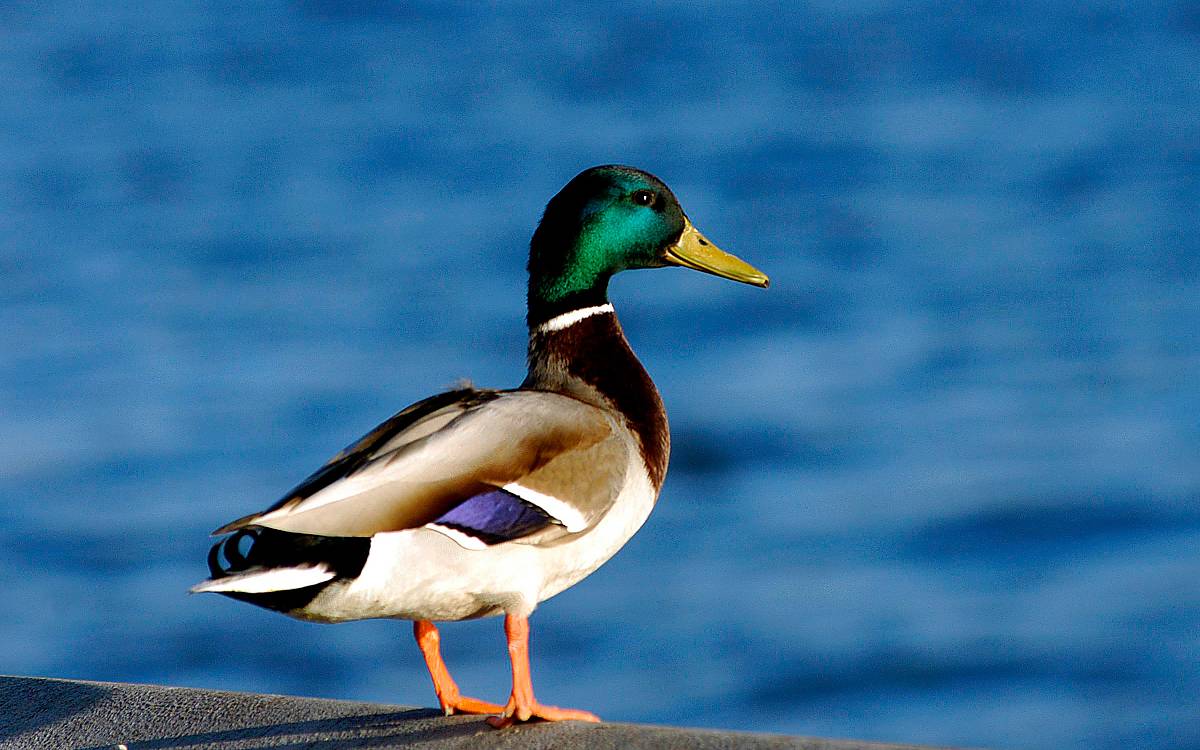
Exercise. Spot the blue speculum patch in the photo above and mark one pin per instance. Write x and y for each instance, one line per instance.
(495, 516)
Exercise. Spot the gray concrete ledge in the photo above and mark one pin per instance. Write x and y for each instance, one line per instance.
(44, 714)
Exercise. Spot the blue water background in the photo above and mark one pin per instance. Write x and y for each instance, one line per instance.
(938, 484)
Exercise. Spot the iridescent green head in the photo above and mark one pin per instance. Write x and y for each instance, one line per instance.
(610, 219)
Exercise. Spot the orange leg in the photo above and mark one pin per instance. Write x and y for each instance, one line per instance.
(522, 706)
(447, 691)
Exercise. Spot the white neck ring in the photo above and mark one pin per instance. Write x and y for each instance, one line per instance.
(568, 319)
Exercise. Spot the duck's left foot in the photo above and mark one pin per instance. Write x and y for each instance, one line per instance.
(451, 701)
(461, 704)
(524, 711)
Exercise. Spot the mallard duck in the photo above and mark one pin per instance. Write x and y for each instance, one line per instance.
(474, 502)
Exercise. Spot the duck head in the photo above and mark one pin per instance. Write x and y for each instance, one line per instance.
(610, 219)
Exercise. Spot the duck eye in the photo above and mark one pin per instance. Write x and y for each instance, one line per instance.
(643, 197)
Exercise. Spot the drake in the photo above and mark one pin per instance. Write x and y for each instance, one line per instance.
(473, 502)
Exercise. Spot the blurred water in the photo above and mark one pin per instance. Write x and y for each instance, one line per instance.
(938, 484)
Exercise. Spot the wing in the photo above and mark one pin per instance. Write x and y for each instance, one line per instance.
(503, 464)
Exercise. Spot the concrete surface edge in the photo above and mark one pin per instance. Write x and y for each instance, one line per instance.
(38, 713)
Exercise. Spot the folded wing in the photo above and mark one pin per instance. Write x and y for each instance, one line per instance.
(498, 465)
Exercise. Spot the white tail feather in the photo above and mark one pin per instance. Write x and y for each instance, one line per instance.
(266, 580)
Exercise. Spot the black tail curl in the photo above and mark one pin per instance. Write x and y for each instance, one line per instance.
(270, 548)
(230, 549)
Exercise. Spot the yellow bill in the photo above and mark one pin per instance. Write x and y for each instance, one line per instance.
(693, 250)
